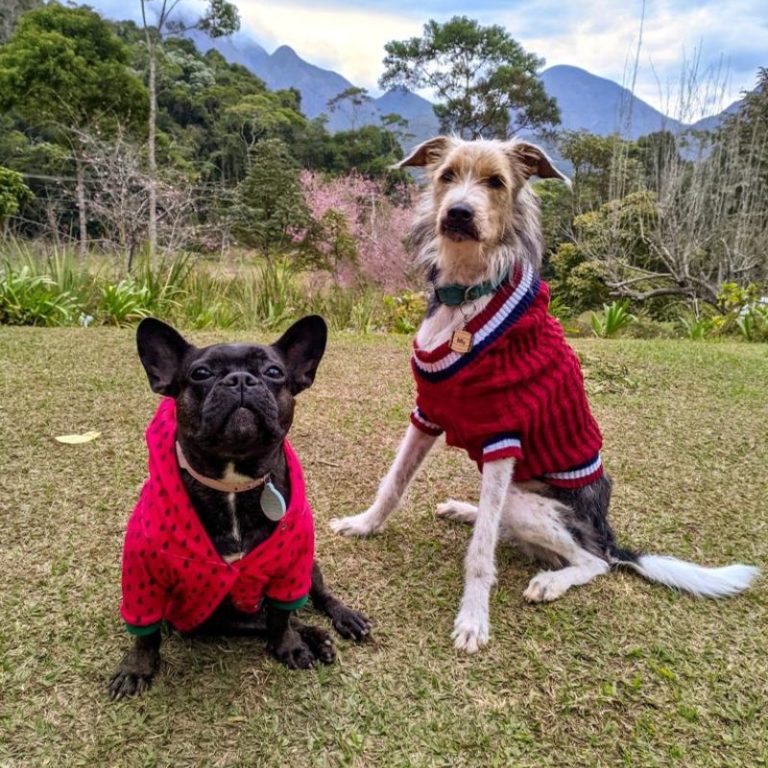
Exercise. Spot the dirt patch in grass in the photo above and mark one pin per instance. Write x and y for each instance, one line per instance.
(618, 672)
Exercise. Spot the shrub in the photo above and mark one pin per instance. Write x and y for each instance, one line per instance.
(404, 313)
(124, 302)
(696, 328)
(27, 298)
(576, 280)
(614, 318)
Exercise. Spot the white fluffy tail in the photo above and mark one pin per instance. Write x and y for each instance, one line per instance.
(697, 579)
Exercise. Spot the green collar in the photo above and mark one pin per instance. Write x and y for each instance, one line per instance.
(453, 295)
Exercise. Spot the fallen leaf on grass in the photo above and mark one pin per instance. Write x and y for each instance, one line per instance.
(86, 437)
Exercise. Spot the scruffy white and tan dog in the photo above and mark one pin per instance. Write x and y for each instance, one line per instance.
(494, 373)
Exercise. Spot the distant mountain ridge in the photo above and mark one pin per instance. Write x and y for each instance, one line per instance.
(586, 101)
(284, 68)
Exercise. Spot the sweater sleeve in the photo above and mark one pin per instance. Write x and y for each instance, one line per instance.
(422, 423)
(144, 597)
(505, 445)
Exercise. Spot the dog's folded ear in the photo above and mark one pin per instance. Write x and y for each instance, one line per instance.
(161, 351)
(302, 347)
(427, 153)
(533, 161)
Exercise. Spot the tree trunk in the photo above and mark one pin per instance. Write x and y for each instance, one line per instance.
(81, 211)
(151, 158)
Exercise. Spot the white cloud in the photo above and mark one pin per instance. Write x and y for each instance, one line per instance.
(349, 41)
(726, 39)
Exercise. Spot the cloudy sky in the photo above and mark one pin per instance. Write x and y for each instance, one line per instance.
(719, 44)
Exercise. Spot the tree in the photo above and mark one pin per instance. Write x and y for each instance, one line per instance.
(485, 82)
(270, 208)
(63, 69)
(13, 193)
(260, 116)
(350, 101)
(220, 18)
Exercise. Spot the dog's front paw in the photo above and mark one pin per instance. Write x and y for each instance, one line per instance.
(470, 633)
(134, 675)
(293, 651)
(319, 641)
(363, 524)
(351, 625)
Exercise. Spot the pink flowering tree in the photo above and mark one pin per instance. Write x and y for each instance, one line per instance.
(359, 231)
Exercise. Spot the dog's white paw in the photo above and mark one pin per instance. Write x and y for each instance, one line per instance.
(363, 524)
(545, 586)
(470, 633)
(460, 511)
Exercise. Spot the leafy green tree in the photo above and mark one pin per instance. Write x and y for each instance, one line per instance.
(219, 18)
(486, 84)
(349, 102)
(271, 211)
(260, 116)
(64, 70)
(13, 194)
(370, 150)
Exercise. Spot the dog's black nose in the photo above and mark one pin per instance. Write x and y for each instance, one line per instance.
(460, 214)
(239, 379)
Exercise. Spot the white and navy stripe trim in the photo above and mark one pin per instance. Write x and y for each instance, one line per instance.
(507, 444)
(424, 424)
(578, 474)
(507, 315)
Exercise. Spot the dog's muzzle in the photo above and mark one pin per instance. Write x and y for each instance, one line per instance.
(242, 405)
(459, 223)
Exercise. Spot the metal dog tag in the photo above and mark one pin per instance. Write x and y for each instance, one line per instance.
(461, 341)
(272, 503)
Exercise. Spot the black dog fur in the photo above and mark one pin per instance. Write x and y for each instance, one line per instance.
(234, 405)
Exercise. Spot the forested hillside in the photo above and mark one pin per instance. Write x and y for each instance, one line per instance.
(217, 166)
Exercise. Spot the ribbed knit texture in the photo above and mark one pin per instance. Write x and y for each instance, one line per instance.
(518, 393)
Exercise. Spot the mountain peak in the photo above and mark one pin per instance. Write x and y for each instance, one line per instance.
(285, 53)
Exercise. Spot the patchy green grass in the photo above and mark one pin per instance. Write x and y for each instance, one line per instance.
(616, 673)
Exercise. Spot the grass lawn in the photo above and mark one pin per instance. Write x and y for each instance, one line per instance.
(619, 672)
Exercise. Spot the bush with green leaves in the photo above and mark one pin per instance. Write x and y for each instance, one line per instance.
(124, 302)
(695, 328)
(405, 312)
(27, 298)
(743, 311)
(614, 318)
(13, 194)
(576, 280)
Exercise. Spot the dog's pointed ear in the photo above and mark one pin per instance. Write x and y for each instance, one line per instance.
(534, 161)
(427, 153)
(302, 347)
(161, 351)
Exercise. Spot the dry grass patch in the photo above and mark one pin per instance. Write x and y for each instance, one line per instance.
(618, 672)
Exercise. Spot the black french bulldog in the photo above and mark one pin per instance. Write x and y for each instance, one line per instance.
(234, 406)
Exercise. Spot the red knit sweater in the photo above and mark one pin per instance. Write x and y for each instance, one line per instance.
(517, 393)
(171, 570)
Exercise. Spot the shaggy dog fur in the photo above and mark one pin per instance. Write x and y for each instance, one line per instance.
(477, 220)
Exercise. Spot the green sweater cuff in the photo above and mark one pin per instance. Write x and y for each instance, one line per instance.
(143, 631)
(294, 606)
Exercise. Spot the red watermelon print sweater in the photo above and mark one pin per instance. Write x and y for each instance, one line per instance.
(518, 393)
(171, 570)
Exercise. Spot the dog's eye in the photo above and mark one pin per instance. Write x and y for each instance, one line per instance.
(447, 177)
(273, 372)
(495, 182)
(201, 373)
